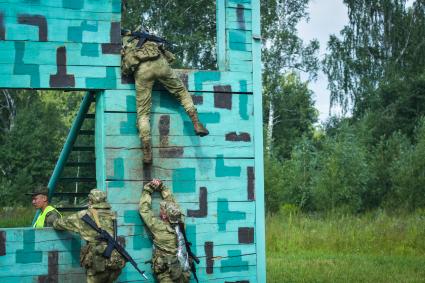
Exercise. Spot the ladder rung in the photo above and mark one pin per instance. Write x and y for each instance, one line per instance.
(90, 116)
(70, 194)
(71, 208)
(83, 148)
(86, 132)
(77, 179)
(80, 164)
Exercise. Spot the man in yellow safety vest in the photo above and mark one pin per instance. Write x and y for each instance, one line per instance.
(48, 213)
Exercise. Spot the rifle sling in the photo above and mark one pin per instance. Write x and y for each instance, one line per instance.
(95, 215)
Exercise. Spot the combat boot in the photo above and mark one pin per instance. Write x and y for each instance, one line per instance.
(147, 151)
(200, 130)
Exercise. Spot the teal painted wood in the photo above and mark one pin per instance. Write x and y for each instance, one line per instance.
(221, 35)
(127, 166)
(205, 81)
(163, 102)
(229, 171)
(45, 52)
(175, 149)
(100, 141)
(130, 192)
(259, 163)
(125, 124)
(66, 6)
(191, 142)
(236, 25)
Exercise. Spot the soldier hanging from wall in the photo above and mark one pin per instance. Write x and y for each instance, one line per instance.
(145, 57)
(172, 259)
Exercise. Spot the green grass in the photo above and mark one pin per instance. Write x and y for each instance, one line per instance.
(374, 247)
(16, 217)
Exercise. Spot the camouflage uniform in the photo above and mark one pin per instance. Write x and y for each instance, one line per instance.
(98, 268)
(148, 64)
(51, 218)
(165, 263)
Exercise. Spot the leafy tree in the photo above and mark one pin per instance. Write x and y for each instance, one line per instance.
(408, 174)
(294, 114)
(29, 151)
(342, 173)
(381, 159)
(298, 175)
(383, 40)
(283, 52)
(190, 25)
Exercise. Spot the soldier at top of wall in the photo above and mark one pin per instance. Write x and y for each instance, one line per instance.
(145, 57)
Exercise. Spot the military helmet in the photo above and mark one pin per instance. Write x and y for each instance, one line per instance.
(172, 210)
(97, 196)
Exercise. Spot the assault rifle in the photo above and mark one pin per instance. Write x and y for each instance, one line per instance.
(112, 243)
(189, 252)
(143, 36)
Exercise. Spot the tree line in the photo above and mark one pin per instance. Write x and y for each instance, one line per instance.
(371, 156)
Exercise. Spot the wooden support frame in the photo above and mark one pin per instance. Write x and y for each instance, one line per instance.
(217, 179)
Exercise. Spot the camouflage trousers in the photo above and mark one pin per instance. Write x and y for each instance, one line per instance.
(167, 269)
(98, 268)
(145, 76)
(107, 276)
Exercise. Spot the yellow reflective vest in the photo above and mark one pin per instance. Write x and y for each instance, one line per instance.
(39, 223)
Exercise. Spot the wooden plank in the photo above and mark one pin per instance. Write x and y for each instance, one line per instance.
(246, 4)
(124, 167)
(38, 76)
(234, 150)
(164, 102)
(106, 6)
(247, 253)
(235, 14)
(221, 35)
(247, 67)
(239, 46)
(61, 30)
(201, 235)
(100, 140)
(239, 36)
(44, 53)
(183, 146)
(12, 10)
(259, 171)
(118, 124)
(233, 24)
(215, 190)
(239, 55)
(206, 80)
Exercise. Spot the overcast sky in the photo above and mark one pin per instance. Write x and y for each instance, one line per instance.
(326, 17)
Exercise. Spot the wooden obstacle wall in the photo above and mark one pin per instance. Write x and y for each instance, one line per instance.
(218, 179)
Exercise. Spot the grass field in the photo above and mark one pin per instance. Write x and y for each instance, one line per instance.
(375, 247)
(16, 217)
